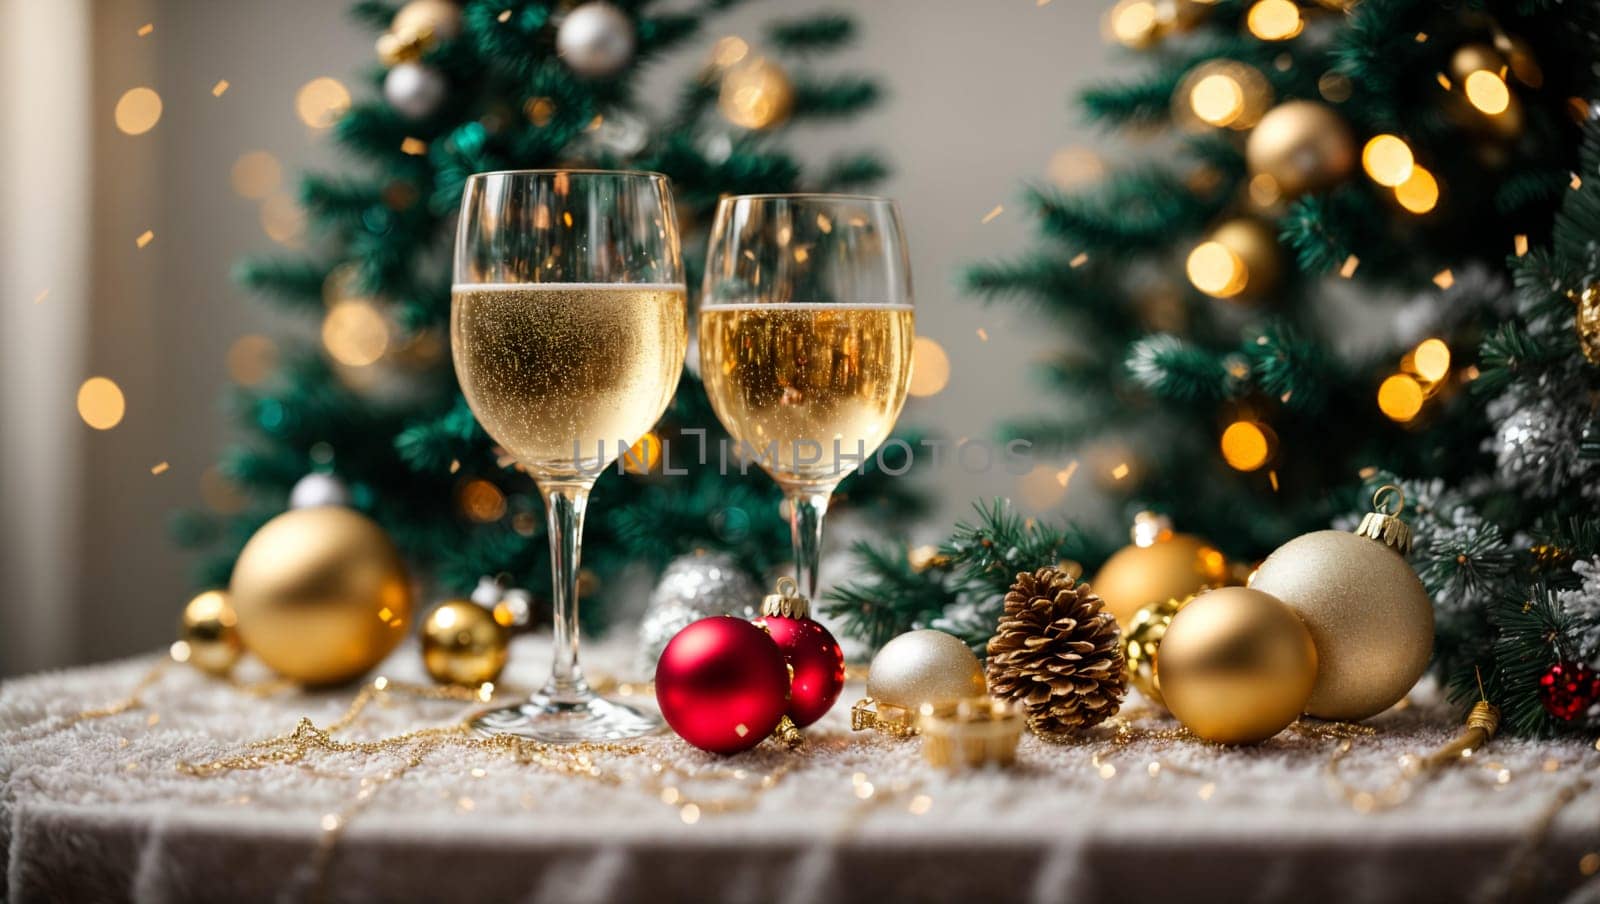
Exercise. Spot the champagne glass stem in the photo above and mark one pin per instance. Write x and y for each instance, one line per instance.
(806, 510)
(564, 504)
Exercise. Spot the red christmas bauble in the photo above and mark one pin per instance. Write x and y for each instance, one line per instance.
(722, 684)
(816, 665)
(1568, 689)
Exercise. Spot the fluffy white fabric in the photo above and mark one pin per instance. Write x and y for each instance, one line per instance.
(97, 811)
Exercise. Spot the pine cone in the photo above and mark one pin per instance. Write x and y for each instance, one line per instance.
(1057, 654)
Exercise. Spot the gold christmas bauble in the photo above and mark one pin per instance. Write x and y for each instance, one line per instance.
(1240, 257)
(756, 94)
(321, 594)
(1303, 146)
(1141, 643)
(1367, 611)
(208, 636)
(438, 20)
(463, 643)
(1236, 665)
(1587, 322)
(924, 666)
(1157, 568)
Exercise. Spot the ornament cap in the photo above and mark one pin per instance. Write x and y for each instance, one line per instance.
(1385, 526)
(786, 601)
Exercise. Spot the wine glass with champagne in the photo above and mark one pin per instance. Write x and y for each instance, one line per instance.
(567, 324)
(805, 342)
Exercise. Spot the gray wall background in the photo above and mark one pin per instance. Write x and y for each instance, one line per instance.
(978, 103)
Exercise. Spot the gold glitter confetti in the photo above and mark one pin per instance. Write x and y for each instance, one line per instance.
(1348, 269)
(160, 468)
(1078, 261)
(416, 147)
(219, 88)
(1421, 37)
(1064, 476)
(1589, 863)
(1520, 243)
(145, 238)
(1272, 478)
(1444, 279)
(1444, 80)
(983, 334)
(101, 403)
(504, 17)
(998, 210)
(1117, 473)
(145, 29)
(1577, 182)
(138, 111)
(41, 296)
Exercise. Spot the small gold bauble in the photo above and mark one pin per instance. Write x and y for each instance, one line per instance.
(1171, 566)
(1141, 643)
(321, 594)
(1238, 258)
(756, 94)
(1236, 665)
(1367, 611)
(208, 637)
(432, 20)
(1587, 322)
(924, 666)
(463, 643)
(1303, 146)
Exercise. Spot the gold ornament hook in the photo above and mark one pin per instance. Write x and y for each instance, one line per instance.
(786, 601)
(1392, 492)
(1385, 526)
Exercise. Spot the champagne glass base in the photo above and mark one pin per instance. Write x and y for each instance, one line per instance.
(540, 718)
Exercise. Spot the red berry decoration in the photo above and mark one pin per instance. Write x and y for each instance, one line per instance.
(816, 663)
(722, 684)
(1568, 689)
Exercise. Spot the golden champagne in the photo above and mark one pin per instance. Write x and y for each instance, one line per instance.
(791, 380)
(561, 373)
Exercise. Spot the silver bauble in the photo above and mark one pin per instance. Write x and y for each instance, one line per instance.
(694, 586)
(1368, 614)
(317, 489)
(924, 666)
(595, 40)
(415, 90)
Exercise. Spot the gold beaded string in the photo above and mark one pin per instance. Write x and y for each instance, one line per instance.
(133, 701)
(1483, 721)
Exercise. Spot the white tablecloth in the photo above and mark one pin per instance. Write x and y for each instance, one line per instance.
(98, 810)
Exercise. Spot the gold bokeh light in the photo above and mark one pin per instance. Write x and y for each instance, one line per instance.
(1247, 445)
(256, 175)
(321, 101)
(1133, 23)
(1217, 99)
(930, 367)
(1419, 193)
(251, 359)
(1431, 358)
(282, 219)
(1214, 269)
(1274, 20)
(1388, 160)
(1487, 91)
(138, 110)
(355, 333)
(1400, 398)
(482, 501)
(101, 403)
